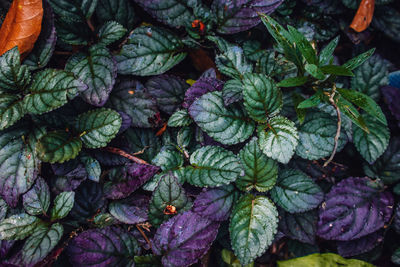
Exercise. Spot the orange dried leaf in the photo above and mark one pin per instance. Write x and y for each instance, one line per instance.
(364, 15)
(22, 26)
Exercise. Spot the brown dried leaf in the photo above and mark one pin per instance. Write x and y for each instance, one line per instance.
(364, 15)
(22, 26)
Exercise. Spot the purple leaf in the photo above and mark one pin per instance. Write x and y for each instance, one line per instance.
(299, 226)
(136, 176)
(184, 239)
(110, 246)
(126, 122)
(5, 246)
(168, 90)
(68, 181)
(360, 245)
(131, 210)
(354, 207)
(215, 203)
(396, 222)
(241, 15)
(391, 95)
(201, 87)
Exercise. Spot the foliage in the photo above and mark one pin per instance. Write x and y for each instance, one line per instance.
(172, 132)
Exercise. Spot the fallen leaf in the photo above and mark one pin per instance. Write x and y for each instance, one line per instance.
(364, 15)
(22, 26)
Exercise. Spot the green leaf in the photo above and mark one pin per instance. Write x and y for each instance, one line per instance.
(150, 51)
(111, 32)
(323, 260)
(3, 209)
(260, 172)
(278, 139)
(232, 91)
(254, 222)
(315, 71)
(17, 227)
(37, 200)
(301, 113)
(51, 89)
(358, 60)
(13, 75)
(168, 160)
(167, 192)
(119, 10)
(284, 39)
(364, 102)
(92, 167)
(396, 256)
(41, 242)
(386, 19)
(98, 127)
(58, 146)
(212, 166)
(63, 204)
(292, 81)
(303, 45)
(74, 10)
(231, 260)
(143, 139)
(371, 145)
(98, 70)
(336, 70)
(231, 61)
(386, 167)
(179, 118)
(262, 99)
(370, 76)
(316, 136)
(11, 110)
(312, 101)
(296, 192)
(326, 55)
(227, 125)
(351, 112)
(19, 165)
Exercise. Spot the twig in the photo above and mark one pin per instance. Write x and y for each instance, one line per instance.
(143, 234)
(90, 24)
(339, 125)
(122, 153)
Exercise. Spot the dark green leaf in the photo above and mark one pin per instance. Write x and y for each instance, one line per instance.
(316, 136)
(167, 192)
(41, 242)
(119, 10)
(370, 76)
(130, 97)
(51, 89)
(303, 45)
(371, 145)
(262, 99)
(296, 192)
(37, 200)
(326, 55)
(278, 139)
(212, 166)
(98, 127)
(13, 75)
(336, 70)
(131, 210)
(358, 60)
(232, 91)
(396, 256)
(231, 61)
(254, 222)
(227, 125)
(63, 204)
(168, 160)
(110, 32)
(315, 71)
(387, 20)
(312, 101)
(179, 118)
(301, 113)
(143, 139)
(260, 172)
(17, 227)
(292, 82)
(92, 166)
(98, 70)
(365, 102)
(150, 51)
(58, 146)
(11, 110)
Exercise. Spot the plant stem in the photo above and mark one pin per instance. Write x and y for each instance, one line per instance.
(339, 125)
(125, 154)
